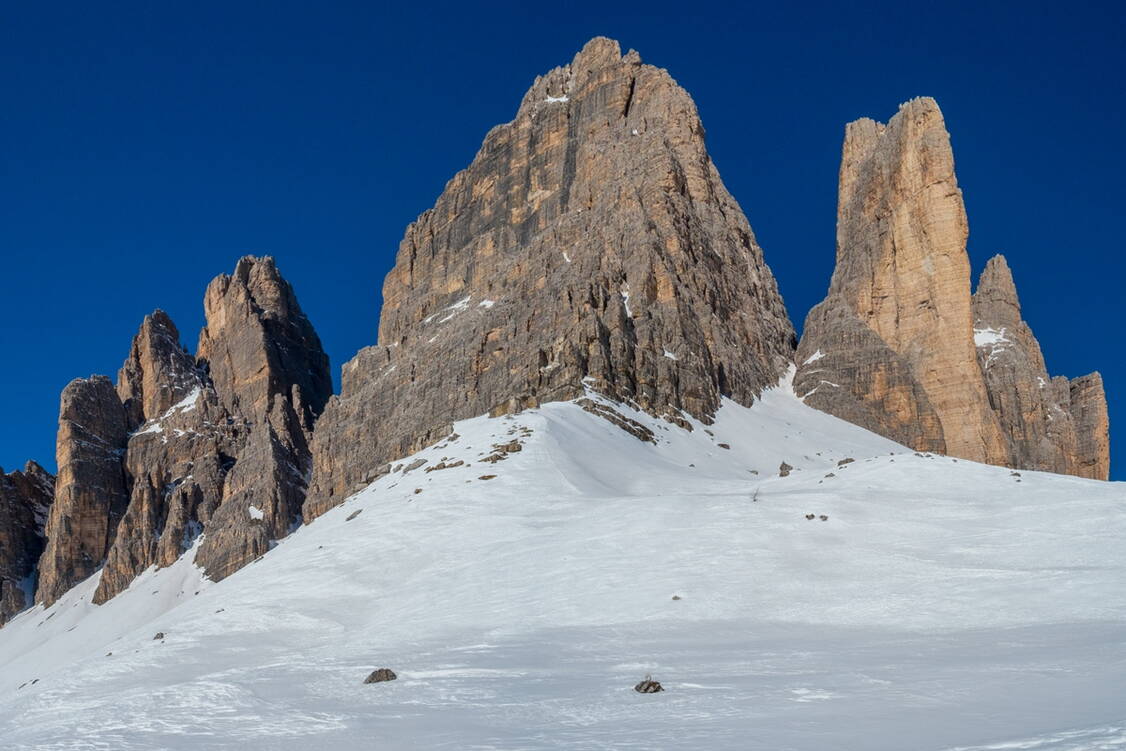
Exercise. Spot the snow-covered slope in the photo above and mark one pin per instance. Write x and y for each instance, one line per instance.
(941, 605)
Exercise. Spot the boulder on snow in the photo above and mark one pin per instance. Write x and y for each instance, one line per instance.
(381, 675)
(159, 635)
(648, 686)
(784, 470)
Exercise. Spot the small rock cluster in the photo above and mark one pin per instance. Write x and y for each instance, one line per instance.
(381, 676)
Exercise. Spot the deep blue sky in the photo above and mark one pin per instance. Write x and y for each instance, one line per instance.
(145, 147)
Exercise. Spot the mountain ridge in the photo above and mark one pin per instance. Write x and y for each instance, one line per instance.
(590, 248)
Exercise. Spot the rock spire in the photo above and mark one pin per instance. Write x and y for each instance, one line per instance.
(901, 347)
(214, 444)
(25, 499)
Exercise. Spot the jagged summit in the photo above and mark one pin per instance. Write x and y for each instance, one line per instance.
(901, 347)
(213, 444)
(1049, 423)
(158, 372)
(589, 253)
(996, 289)
(590, 244)
(258, 343)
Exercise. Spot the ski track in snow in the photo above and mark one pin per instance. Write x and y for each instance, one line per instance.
(942, 605)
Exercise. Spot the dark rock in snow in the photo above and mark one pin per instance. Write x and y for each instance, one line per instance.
(380, 676)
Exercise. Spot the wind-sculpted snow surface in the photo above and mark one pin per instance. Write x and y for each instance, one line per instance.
(941, 604)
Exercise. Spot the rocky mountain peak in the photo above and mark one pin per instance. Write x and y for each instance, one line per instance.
(158, 372)
(995, 299)
(258, 343)
(186, 446)
(891, 347)
(901, 347)
(1049, 423)
(590, 245)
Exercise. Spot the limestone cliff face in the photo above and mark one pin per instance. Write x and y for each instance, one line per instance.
(591, 241)
(1035, 411)
(91, 490)
(902, 272)
(258, 344)
(25, 500)
(269, 368)
(215, 444)
(901, 347)
(158, 373)
(178, 452)
(1092, 427)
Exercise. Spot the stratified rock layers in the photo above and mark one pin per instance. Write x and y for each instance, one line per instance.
(590, 244)
(899, 345)
(25, 499)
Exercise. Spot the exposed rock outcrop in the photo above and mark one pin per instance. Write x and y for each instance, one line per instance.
(891, 348)
(91, 490)
(258, 344)
(899, 345)
(25, 501)
(590, 244)
(177, 463)
(215, 445)
(268, 367)
(1088, 410)
(1035, 411)
(158, 373)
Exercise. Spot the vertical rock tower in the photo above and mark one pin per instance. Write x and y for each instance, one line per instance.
(901, 347)
(213, 444)
(91, 490)
(25, 499)
(1049, 423)
(590, 244)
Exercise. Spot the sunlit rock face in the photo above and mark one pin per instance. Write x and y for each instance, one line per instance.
(590, 243)
(901, 347)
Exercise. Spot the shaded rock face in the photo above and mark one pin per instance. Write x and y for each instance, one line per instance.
(258, 344)
(269, 369)
(902, 274)
(214, 445)
(25, 500)
(899, 345)
(1050, 424)
(177, 462)
(591, 242)
(91, 490)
